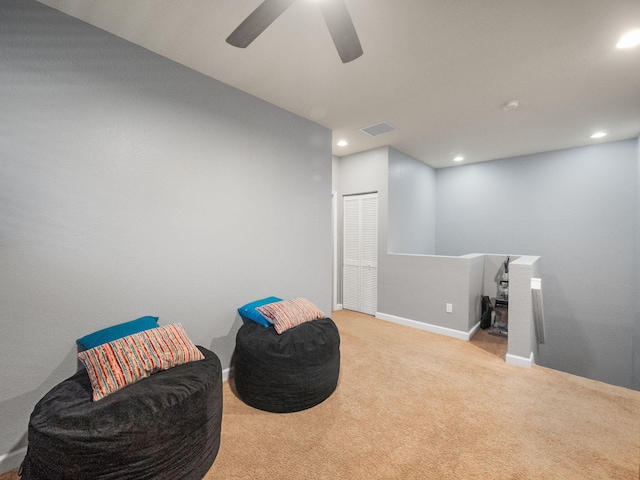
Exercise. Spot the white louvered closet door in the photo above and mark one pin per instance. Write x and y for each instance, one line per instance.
(360, 253)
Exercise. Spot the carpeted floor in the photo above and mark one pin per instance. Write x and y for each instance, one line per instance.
(416, 405)
(496, 345)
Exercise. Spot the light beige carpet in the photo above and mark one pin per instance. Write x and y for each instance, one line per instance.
(490, 343)
(416, 405)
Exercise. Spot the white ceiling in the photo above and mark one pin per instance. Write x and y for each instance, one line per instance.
(437, 70)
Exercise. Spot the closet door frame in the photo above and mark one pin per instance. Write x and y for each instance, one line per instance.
(360, 252)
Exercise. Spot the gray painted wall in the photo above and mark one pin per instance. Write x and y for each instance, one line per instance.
(577, 209)
(130, 186)
(476, 289)
(359, 173)
(418, 287)
(411, 287)
(412, 205)
(493, 269)
(636, 329)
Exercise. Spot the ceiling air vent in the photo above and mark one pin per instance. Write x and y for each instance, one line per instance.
(378, 129)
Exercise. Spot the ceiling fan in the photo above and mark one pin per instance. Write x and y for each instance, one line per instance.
(335, 13)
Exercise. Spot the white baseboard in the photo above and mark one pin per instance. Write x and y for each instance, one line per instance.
(12, 460)
(473, 331)
(519, 361)
(225, 374)
(337, 306)
(449, 332)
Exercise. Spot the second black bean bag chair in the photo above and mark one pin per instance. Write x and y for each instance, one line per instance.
(293, 371)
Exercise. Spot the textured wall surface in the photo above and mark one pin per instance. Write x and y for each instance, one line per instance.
(130, 186)
(412, 205)
(636, 329)
(577, 210)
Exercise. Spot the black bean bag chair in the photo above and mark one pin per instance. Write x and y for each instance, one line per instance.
(293, 371)
(166, 426)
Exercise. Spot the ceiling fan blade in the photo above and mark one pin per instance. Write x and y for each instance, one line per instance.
(341, 29)
(257, 22)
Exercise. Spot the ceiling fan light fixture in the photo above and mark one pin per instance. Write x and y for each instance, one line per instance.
(257, 22)
(336, 17)
(629, 39)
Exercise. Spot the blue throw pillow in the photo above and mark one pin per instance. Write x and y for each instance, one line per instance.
(249, 313)
(115, 332)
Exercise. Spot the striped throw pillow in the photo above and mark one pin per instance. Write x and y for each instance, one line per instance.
(114, 365)
(289, 313)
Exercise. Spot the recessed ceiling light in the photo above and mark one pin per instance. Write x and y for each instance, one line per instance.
(511, 105)
(342, 143)
(458, 159)
(599, 135)
(629, 39)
